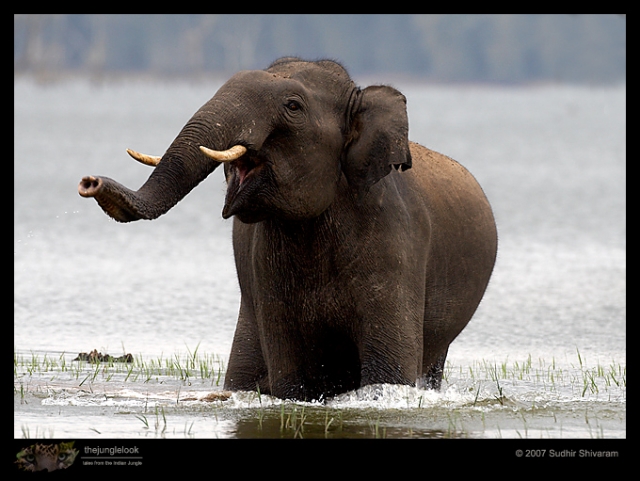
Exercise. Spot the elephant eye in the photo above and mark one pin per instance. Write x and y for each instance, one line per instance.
(293, 105)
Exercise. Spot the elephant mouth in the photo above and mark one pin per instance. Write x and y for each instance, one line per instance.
(244, 177)
(244, 167)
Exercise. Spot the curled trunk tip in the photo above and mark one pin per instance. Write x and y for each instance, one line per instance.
(89, 186)
(116, 201)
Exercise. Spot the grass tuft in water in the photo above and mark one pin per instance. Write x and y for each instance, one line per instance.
(192, 366)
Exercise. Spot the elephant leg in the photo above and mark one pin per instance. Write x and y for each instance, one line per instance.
(382, 365)
(431, 377)
(380, 371)
(247, 370)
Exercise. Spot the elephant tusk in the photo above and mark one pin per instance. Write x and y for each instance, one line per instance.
(228, 155)
(151, 160)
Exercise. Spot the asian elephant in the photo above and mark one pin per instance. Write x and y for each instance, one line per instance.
(360, 255)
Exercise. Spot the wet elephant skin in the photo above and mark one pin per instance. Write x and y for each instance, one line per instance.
(360, 255)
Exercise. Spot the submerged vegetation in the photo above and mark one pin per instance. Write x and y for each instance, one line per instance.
(173, 395)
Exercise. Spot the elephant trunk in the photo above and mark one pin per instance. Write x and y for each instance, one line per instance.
(180, 169)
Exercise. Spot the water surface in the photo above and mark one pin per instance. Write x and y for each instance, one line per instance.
(550, 158)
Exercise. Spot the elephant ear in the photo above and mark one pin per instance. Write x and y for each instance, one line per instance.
(378, 137)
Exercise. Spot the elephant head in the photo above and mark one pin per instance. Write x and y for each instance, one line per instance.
(288, 136)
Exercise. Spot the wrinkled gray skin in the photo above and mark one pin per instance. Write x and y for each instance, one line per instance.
(360, 255)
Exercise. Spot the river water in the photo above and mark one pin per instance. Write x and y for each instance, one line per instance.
(550, 158)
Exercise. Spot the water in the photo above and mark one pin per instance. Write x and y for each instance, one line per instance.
(550, 158)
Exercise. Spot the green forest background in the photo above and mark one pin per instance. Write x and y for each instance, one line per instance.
(515, 48)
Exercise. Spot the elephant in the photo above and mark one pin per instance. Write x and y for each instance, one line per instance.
(360, 255)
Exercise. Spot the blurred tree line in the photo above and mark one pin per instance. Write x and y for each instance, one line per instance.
(455, 47)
